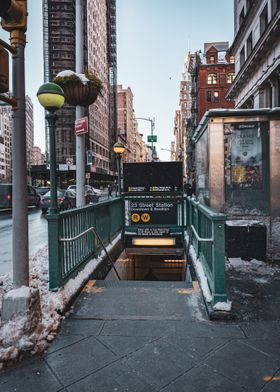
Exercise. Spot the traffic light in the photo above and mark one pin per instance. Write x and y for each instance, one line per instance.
(4, 70)
(13, 14)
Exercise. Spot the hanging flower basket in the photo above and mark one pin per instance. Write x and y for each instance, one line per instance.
(79, 89)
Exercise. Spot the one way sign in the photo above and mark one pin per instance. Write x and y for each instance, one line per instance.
(81, 126)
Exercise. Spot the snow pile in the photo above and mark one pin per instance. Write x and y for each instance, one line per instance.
(19, 334)
(201, 275)
(255, 269)
(68, 72)
(223, 306)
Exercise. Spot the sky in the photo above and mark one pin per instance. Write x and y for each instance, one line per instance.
(153, 37)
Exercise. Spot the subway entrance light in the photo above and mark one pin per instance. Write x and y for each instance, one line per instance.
(51, 97)
(118, 149)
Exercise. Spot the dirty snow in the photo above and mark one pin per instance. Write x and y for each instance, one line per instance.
(255, 269)
(68, 72)
(15, 337)
(242, 222)
(21, 292)
(201, 275)
(224, 306)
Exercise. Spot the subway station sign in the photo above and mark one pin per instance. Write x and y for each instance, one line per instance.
(152, 212)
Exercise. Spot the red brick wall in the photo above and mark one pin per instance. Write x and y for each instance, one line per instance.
(208, 90)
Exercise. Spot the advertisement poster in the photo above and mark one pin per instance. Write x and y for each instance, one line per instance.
(246, 155)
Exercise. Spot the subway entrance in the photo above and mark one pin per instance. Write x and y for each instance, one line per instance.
(144, 265)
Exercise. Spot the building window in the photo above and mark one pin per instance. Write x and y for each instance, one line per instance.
(248, 5)
(230, 77)
(263, 20)
(212, 59)
(241, 17)
(216, 96)
(212, 78)
(209, 96)
(249, 44)
(242, 57)
(275, 6)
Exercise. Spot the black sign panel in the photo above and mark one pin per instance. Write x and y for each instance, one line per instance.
(152, 212)
(153, 177)
(153, 231)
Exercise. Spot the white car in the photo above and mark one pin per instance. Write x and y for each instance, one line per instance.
(87, 187)
(97, 191)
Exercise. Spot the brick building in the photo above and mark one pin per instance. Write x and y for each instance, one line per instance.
(214, 78)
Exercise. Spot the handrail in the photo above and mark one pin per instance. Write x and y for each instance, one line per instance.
(211, 240)
(206, 231)
(99, 239)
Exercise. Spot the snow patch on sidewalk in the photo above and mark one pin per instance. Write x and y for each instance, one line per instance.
(201, 275)
(15, 335)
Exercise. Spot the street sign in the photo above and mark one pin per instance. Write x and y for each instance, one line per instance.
(153, 177)
(152, 138)
(69, 161)
(81, 126)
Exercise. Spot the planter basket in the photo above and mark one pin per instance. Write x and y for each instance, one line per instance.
(79, 94)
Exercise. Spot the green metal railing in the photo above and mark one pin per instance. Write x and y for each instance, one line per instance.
(73, 240)
(206, 233)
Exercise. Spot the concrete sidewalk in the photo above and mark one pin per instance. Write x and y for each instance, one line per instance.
(151, 336)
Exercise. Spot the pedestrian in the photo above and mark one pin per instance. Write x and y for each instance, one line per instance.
(188, 189)
(109, 191)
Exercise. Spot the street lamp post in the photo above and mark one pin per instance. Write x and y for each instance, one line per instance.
(51, 97)
(118, 149)
(152, 121)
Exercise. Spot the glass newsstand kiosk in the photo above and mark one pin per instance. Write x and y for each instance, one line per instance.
(237, 169)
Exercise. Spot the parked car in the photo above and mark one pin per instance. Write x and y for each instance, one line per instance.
(67, 199)
(90, 195)
(64, 201)
(42, 190)
(87, 188)
(6, 196)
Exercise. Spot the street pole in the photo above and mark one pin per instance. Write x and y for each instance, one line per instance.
(51, 119)
(119, 173)
(80, 139)
(19, 200)
(152, 133)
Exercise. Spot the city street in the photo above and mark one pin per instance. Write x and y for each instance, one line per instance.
(37, 224)
(38, 236)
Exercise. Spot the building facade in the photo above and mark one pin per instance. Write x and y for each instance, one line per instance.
(6, 143)
(37, 158)
(29, 121)
(215, 75)
(212, 73)
(256, 49)
(6, 126)
(127, 124)
(100, 58)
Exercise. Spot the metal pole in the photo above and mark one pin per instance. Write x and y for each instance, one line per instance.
(152, 132)
(51, 119)
(19, 201)
(119, 173)
(80, 140)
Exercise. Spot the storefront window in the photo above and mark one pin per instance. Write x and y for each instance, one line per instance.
(246, 168)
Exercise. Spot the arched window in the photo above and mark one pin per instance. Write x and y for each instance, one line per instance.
(212, 78)
(230, 77)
